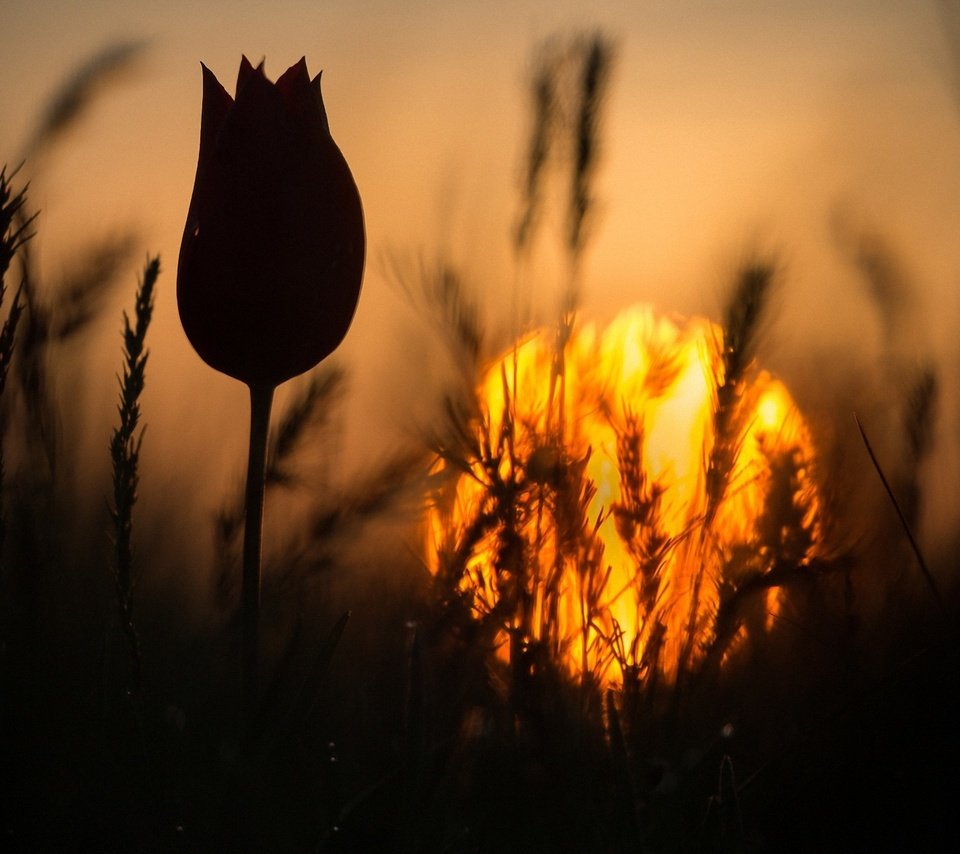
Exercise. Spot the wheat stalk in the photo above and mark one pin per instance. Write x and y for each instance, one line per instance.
(14, 233)
(125, 447)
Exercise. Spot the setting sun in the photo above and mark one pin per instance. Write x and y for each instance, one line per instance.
(587, 517)
(542, 437)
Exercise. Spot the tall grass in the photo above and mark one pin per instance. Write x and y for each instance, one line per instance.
(387, 721)
(14, 232)
(533, 479)
(125, 448)
(532, 521)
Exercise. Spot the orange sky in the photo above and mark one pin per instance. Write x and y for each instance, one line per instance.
(730, 124)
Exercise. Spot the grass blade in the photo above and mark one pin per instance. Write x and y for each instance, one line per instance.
(927, 575)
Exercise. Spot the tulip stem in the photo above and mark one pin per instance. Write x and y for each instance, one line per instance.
(261, 400)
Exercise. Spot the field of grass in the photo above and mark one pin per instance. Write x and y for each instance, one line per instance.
(388, 720)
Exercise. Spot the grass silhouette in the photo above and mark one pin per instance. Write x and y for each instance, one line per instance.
(385, 723)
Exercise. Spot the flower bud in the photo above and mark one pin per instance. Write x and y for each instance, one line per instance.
(272, 255)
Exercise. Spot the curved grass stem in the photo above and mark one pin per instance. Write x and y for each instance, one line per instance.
(924, 569)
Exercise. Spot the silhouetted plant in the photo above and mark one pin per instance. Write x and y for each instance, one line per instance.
(57, 311)
(742, 317)
(14, 232)
(270, 268)
(302, 422)
(531, 523)
(125, 455)
(431, 743)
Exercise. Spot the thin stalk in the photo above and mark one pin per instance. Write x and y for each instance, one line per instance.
(261, 401)
(125, 447)
(915, 547)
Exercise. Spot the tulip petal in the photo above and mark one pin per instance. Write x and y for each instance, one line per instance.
(315, 85)
(216, 105)
(296, 75)
(247, 71)
(301, 100)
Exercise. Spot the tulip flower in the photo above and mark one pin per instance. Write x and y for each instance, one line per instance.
(272, 254)
(270, 264)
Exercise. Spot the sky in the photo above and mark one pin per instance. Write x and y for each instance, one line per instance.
(731, 125)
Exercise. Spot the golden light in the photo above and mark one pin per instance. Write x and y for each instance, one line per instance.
(605, 508)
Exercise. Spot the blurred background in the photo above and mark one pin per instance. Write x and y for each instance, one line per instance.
(731, 127)
(822, 135)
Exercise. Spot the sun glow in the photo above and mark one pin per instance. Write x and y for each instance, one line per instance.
(612, 508)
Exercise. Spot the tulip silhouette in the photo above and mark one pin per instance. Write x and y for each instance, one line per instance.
(271, 263)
